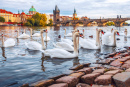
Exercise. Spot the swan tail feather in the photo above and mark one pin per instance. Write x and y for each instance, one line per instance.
(54, 45)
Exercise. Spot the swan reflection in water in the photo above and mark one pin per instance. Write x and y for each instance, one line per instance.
(3, 52)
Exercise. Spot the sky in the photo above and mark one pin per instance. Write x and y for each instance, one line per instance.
(89, 8)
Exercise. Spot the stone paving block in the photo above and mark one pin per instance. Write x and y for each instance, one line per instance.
(43, 83)
(101, 71)
(82, 85)
(122, 79)
(124, 54)
(112, 54)
(117, 57)
(89, 78)
(104, 80)
(103, 86)
(70, 80)
(128, 70)
(59, 85)
(86, 70)
(57, 77)
(112, 72)
(78, 75)
(126, 66)
(105, 61)
(77, 67)
(127, 62)
(116, 63)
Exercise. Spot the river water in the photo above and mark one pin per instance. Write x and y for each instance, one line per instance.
(18, 65)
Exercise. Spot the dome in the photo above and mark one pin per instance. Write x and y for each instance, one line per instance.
(32, 9)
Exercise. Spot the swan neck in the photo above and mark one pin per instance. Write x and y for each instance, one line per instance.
(46, 35)
(42, 40)
(31, 32)
(24, 30)
(83, 34)
(125, 32)
(2, 41)
(65, 31)
(75, 45)
(97, 38)
(17, 33)
(114, 38)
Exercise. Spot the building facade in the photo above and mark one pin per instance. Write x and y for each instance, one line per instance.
(19, 17)
(56, 15)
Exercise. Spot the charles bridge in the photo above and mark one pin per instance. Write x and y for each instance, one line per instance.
(87, 22)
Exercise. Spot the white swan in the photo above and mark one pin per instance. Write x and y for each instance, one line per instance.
(22, 36)
(109, 39)
(64, 45)
(35, 34)
(91, 44)
(61, 53)
(33, 45)
(67, 41)
(126, 33)
(46, 38)
(8, 43)
(67, 35)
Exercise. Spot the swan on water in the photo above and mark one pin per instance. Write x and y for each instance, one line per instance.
(35, 34)
(109, 39)
(33, 45)
(61, 53)
(67, 35)
(46, 38)
(22, 36)
(8, 43)
(90, 43)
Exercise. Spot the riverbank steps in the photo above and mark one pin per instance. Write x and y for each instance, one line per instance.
(112, 71)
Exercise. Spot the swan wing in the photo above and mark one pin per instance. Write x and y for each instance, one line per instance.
(69, 35)
(33, 45)
(107, 38)
(23, 36)
(9, 42)
(48, 38)
(64, 46)
(36, 35)
(59, 53)
(67, 41)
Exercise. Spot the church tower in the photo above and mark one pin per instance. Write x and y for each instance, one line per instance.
(74, 14)
(56, 15)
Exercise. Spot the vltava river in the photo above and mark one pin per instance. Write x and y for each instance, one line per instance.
(18, 65)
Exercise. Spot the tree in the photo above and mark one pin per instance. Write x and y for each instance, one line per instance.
(2, 19)
(42, 23)
(110, 23)
(9, 20)
(50, 22)
(28, 24)
(31, 20)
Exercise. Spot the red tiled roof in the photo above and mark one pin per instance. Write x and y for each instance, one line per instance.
(4, 11)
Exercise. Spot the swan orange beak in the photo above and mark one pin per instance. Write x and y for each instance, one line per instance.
(81, 35)
(83, 30)
(118, 33)
(2, 35)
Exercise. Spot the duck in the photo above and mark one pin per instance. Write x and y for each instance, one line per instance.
(46, 38)
(22, 36)
(35, 34)
(90, 43)
(67, 35)
(109, 39)
(61, 53)
(33, 45)
(10, 42)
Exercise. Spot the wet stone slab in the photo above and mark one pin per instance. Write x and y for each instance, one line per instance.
(59, 85)
(104, 80)
(113, 72)
(101, 71)
(105, 61)
(78, 75)
(70, 80)
(89, 78)
(122, 79)
(128, 70)
(85, 70)
(116, 63)
(82, 85)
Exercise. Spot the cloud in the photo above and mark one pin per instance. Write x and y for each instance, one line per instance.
(89, 8)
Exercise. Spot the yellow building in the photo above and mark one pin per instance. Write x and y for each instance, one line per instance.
(11, 17)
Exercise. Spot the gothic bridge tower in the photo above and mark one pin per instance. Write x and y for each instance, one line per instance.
(56, 15)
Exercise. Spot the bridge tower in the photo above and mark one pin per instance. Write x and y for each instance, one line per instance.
(56, 15)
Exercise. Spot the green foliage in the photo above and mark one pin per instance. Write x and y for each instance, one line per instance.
(9, 20)
(28, 24)
(38, 20)
(50, 22)
(2, 19)
(110, 23)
